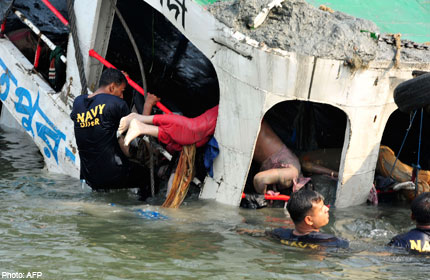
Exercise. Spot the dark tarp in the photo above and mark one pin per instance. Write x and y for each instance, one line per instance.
(175, 69)
(5, 6)
(40, 16)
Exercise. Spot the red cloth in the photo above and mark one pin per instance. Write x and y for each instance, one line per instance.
(176, 131)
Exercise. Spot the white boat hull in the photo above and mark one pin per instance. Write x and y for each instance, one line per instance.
(252, 79)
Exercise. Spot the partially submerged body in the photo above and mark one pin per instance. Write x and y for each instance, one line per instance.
(417, 240)
(280, 167)
(313, 240)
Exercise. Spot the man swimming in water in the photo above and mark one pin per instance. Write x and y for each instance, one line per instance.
(417, 240)
(309, 214)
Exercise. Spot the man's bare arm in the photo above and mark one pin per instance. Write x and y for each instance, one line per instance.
(282, 176)
(124, 148)
(151, 100)
(318, 169)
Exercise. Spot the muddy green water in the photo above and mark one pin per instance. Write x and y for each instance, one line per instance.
(49, 224)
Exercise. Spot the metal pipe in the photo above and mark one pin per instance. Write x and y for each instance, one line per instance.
(56, 12)
(36, 30)
(106, 63)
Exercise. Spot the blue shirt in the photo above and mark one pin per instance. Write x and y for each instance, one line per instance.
(415, 241)
(314, 240)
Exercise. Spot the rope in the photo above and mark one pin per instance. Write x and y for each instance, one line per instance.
(404, 140)
(78, 54)
(183, 177)
(145, 88)
(418, 167)
(133, 43)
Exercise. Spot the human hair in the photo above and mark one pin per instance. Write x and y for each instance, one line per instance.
(421, 208)
(112, 75)
(301, 202)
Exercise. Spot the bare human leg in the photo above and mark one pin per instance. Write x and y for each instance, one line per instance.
(125, 121)
(137, 128)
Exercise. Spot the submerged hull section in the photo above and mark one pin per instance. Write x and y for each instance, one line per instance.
(38, 109)
(252, 78)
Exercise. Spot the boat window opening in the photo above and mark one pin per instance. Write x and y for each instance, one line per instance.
(393, 137)
(27, 41)
(315, 133)
(394, 134)
(175, 70)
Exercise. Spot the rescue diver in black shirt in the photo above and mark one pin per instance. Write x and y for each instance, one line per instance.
(417, 240)
(309, 214)
(103, 156)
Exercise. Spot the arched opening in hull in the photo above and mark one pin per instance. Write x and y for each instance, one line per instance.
(393, 138)
(314, 133)
(175, 70)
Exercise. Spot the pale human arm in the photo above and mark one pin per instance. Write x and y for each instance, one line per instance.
(264, 178)
(281, 176)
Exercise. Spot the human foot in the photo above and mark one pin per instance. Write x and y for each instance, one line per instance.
(134, 130)
(125, 122)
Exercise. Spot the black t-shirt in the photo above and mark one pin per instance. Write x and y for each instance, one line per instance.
(314, 240)
(96, 121)
(415, 241)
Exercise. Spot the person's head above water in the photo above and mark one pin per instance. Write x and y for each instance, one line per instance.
(307, 210)
(421, 209)
(113, 82)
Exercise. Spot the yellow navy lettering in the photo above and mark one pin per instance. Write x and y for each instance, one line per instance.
(416, 245)
(300, 244)
(91, 117)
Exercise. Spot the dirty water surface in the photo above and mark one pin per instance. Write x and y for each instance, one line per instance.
(49, 224)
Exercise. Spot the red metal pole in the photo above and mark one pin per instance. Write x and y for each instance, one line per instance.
(37, 55)
(3, 27)
(94, 54)
(106, 63)
(274, 197)
(56, 12)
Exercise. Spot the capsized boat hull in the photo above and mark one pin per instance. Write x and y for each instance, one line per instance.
(252, 79)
